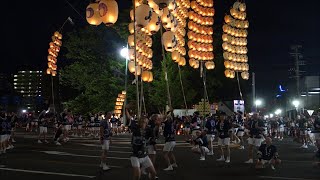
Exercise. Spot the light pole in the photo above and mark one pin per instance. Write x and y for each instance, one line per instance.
(124, 52)
(258, 102)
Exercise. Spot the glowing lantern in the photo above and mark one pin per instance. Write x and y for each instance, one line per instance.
(169, 41)
(242, 7)
(131, 28)
(131, 40)
(154, 24)
(146, 76)
(48, 71)
(210, 65)
(53, 73)
(175, 55)
(143, 15)
(131, 66)
(166, 16)
(108, 10)
(92, 14)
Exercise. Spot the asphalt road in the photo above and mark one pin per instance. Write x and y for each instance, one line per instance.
(80, 157)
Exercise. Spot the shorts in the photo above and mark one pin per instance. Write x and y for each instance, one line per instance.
(144, 162)
(223, 141)
(234, 130)
(106, 145)
(199, 149)
(303, 132)
(43, 129)
(240, 132)
(34, 123)
(210, 137)
(316, 135)
(169, 146)
(151, 149)
(67, 127)
(114, 125)
(255, 141)
(281, 129)
(3, 138)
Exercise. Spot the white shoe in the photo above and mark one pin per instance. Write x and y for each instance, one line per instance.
(105, 167)
(241, 147)
(202, 158)
(210, 153)
(272, 167)
(39, 142)
(170, 168)
(221, 159)
(57, 143)
(305, 146)
(46, 141)
(174, 165)
(228, 160)
(13, 141)
(250, 161)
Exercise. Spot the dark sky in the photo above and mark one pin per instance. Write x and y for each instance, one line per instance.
(274, 25)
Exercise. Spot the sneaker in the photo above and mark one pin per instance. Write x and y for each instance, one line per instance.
(202, 158)
(13, 141)
(210, 153)
(105, 167)
(39, 142)
(45, 141)
(170, 168)
(250, 161)
(221, 159)
(228, 160)
(241, 147)
(156, 177)
(57, 143)
(305, 146)
(272, 167)
(174, 165)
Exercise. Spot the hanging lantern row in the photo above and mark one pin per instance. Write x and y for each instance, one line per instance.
(53, 52)
(200, 19)
(178, 58)
(119, 103)
(201, 10)
(235, 41)
(147, 76)
(234, 31)
(236, 66)
(102, 11)
(236, 23)
(200, 34)
(235, 57)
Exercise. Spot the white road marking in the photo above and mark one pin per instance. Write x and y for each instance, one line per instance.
(46, 172)
(79, 155)
(287, 178)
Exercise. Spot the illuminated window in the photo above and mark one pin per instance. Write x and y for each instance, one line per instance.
(15, 80)
(15, 76)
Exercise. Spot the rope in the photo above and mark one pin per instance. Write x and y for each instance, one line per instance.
(165, 69)
(182, 88)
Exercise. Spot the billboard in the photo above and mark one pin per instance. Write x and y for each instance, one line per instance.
(238, 105)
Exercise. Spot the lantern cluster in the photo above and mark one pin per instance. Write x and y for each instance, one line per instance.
(119, 103)
(105, 11)
(235, 41)
(53, 52)
(200, 34)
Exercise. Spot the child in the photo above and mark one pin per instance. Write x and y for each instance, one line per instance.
(267, 154)
(201, 144)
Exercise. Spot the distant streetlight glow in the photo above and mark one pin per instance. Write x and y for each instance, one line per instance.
(296, 103)
(278, 111)
(271, 115)
(124, 52)
(258, 102)
(24, 111)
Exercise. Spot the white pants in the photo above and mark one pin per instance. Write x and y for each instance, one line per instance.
(43, 129)
(223, 141)
(144, 162)
(255, 141)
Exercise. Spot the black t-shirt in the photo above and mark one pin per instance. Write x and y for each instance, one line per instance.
(169, 131)
(138, 142)
(151, 135)
(254, 127)
(303, 124)
(223, 128)
(201, 141)
(268, 152)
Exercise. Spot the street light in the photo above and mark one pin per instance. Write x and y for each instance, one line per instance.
(278, 111)
(296, 103)
(124, 52)
(258, 103)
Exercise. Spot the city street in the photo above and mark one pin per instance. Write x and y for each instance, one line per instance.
(79, 159)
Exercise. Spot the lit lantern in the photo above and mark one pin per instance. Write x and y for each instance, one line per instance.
(48, 71)
(175, 55)
(166, 16)
(169, 41)
(108, 10)
(143, 15)
(131, 28)
(131, 66)
(150, 77)
(131, 40)
(210, 65)
(146, 75)
(92, 14)
(154, 24)
(163, 3)
(242, 7)
(182, 61)
(53, 73)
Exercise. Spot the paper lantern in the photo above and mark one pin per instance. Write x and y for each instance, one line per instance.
(92, 14)
(166, 16)
(163, 3)
(210, 65)
(108, 10)
(143, 15)
(175, 55)
(146, 75)
(154, 24)
(131, 28)
(48, 71)
(53, 73)
(131, 40)
(150, 77)
(242, 7)
(169, 41)
(131, 66)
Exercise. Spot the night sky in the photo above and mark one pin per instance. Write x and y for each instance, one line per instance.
(27, 27)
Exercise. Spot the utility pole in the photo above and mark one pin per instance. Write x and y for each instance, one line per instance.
(254, 92)
(296, 54)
